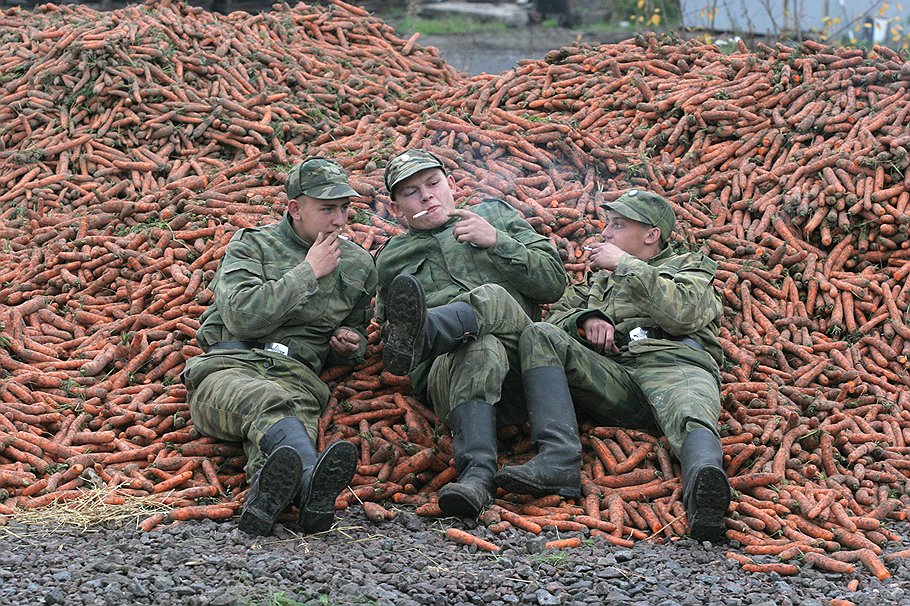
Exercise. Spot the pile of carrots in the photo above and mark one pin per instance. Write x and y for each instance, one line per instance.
(137, 141)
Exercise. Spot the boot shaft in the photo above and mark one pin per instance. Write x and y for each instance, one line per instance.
(554, 428)
(473, 426)
(701, 448)
(292, 432)
(554, 425)
(448, 326)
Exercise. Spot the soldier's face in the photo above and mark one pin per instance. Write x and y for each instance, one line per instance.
(636, 238)
(313, 216)
(429, 190)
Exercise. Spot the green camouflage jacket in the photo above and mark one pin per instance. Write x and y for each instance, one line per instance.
(265, 292)
(669, 291)
(523, 262)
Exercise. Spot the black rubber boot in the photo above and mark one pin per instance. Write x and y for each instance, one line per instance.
(417, 333)
(706, 491)
(473, 426)
(277, 481)
(324, 477)
(557, 467)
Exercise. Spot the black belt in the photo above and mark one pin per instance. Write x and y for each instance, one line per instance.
(653, 332)
(272, 347)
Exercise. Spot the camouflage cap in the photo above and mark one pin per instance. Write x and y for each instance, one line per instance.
(645, 207)
(408, 163)
(318, 177)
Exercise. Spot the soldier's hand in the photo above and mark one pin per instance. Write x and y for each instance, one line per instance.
(324, 255)
(345, 341)
(600, 333)
(606, 255)
(473, 229)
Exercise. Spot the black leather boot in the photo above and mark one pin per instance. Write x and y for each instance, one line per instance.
(706, 491)
(294, 472)
(557, 467)
(473, 426)
(324, 477)
(417, 333)
(277, 481)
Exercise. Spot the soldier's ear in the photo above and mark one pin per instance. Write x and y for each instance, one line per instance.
(294, 208)
(652, 236)
(395, 209)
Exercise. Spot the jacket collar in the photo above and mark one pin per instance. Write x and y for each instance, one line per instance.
(286, 229)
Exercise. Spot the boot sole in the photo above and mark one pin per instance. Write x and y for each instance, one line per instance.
(512, 482)
(711, 498)
(333, 472)
(407, 313)
(279, 481)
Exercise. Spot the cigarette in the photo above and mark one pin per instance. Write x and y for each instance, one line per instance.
(588, 247)
(343, 237)
(420, 214)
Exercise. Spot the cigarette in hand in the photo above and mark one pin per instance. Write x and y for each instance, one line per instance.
(420, 214)
(588, 247)
(343, 237)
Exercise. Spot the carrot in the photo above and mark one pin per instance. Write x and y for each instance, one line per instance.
(199, 512)
(604, 454)
(874, 564)
(777, 567)
(752, 480)
(149, 523)
(634, 459)
(376, 513)
(518, 521)
(51, 497)
(414, 464)
(466, 538)
(172, 482)
(632, 478)
(563, 543)
(430, 509)
(823, 562)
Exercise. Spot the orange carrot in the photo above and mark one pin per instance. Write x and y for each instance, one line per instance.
(199, 512)
(376, 513)
(778, 567)
(466, 538)
(152, 521)
(563, 543)
(874, 564)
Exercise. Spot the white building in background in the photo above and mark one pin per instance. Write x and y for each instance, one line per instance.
(854, 20)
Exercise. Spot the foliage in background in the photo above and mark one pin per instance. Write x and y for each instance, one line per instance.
(448, 25)
(833, 29)
(652, 14)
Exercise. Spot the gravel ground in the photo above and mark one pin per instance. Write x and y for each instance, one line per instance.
(403, 562)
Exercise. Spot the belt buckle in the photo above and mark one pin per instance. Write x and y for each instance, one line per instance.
(277, 348)
(638, 333)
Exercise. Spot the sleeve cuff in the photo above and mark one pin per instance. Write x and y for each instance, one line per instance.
(584, 315)
(629, 265)
(506, 246)
(303, 280)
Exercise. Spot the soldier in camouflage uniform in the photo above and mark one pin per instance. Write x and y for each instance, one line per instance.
(485, 271)
(289, 298)
(637, 346)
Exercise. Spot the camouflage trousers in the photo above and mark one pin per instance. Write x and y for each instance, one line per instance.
(645, 390)
(486, 368)
(239, 396)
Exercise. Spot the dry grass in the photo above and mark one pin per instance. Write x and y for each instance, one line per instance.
(89, 510)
